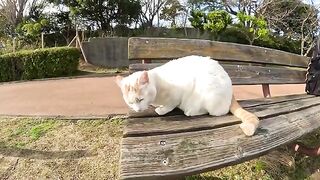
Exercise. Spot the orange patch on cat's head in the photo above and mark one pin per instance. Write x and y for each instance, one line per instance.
(132, 88)
(136, 86)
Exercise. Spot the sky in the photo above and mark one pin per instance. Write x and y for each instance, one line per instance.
(315, 1)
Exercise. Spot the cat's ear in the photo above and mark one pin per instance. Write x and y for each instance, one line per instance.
(144, 78)
(118, 80)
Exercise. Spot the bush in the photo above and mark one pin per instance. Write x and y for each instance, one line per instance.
(42, 63)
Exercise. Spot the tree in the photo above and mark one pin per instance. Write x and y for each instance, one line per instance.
(293, 19)
(252, 27)
(12, 11)
(5, 27)
(33, 24)
(61, 22)
(205, 5)
(247, 7)
(104, 13)
(217, 22)
(34, 29)
(2, 27)
(150, 10)
(36, 10)
(171, 10)
(198, 19)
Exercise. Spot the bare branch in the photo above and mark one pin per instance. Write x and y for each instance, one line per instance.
(151, 9)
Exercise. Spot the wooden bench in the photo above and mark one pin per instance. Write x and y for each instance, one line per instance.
(174, 145)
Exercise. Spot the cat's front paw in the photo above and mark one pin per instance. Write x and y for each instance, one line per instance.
(160, 111)
(248, 128)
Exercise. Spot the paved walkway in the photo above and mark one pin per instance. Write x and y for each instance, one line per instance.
(94, 96)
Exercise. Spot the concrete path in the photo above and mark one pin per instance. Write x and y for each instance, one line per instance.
(94, 96)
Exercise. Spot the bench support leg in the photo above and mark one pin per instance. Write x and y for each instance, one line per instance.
(146, 61)
(266, 90)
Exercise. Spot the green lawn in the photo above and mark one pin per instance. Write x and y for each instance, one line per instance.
(89, 149)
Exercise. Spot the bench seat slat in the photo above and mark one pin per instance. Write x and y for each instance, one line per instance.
(180, 123)
(249, 75)
(179, 154)
(244, 103)
(169, 48)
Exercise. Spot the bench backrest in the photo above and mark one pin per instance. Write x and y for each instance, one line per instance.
(245, 64)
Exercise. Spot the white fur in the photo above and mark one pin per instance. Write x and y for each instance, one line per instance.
(197, 85)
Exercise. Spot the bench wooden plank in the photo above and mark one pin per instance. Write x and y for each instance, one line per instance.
(174, 145)
(273, 100)
(244, 103)
(180, 154)
(180, 123)
(249, 75)
(171, 48)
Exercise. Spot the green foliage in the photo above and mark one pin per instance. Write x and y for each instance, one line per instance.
(217, 22)
(61, 29)
(297, 16)
(252, 27)
(171, 10)
(279, 42)
(198, 19)
(205, 5)
(32, 25)
(42, 63)
(231, 34)
(3, 26)
(103, 13)
(34, 28)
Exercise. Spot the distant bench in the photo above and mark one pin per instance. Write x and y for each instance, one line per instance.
(173, 146)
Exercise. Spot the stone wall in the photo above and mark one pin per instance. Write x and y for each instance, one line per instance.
(107, 52)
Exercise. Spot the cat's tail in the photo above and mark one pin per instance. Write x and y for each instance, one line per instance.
(250, 121)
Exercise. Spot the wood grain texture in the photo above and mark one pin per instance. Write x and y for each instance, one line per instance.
(172, 146)
(171, 48)
(244, 103)
(180, 123)
(180, 154)
(250, 75)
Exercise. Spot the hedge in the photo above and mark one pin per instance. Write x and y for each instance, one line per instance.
(37, 64)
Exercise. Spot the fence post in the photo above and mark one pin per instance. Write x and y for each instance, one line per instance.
(42, 40)
(14, 44)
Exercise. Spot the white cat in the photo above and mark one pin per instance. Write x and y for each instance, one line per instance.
(195, 84)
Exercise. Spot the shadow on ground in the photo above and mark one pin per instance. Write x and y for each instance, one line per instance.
(10, 151)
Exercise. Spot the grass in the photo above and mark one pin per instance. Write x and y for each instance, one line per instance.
(83, 149)
(40, 129)
(57, 149)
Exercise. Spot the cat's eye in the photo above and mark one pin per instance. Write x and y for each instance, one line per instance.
(139, 100)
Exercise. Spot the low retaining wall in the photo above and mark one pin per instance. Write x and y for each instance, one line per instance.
(107, 52)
